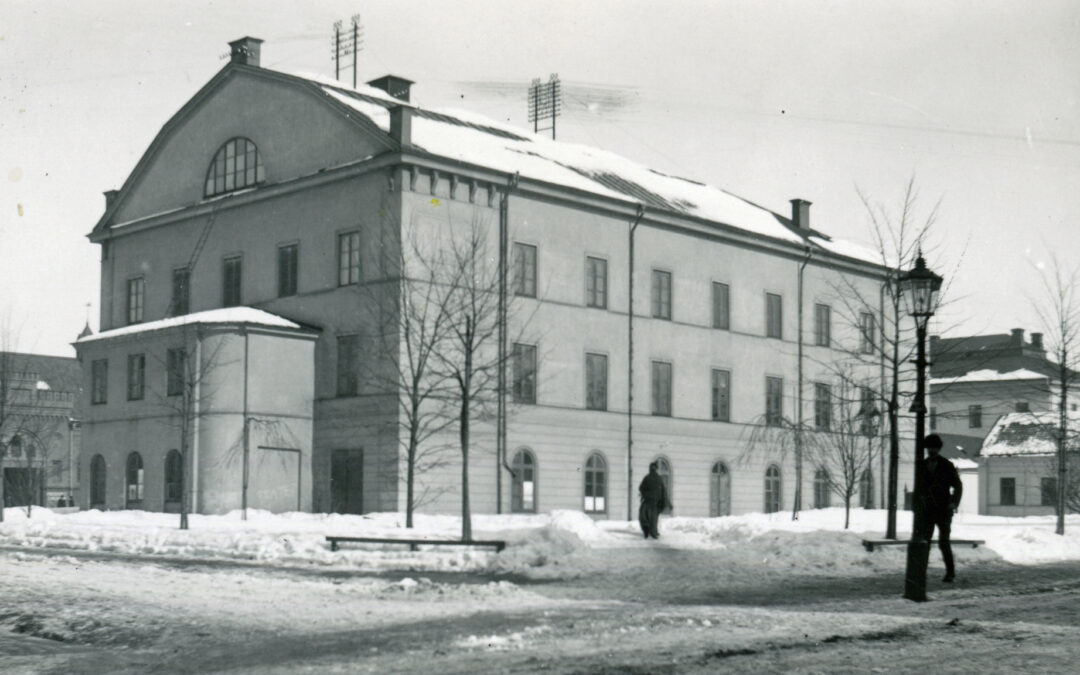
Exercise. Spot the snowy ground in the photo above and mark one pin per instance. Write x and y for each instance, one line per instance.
(129, 592)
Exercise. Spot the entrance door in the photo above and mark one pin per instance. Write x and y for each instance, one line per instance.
(347, 481)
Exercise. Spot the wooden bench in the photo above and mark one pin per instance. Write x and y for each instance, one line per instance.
(498, 545)
(871, 543)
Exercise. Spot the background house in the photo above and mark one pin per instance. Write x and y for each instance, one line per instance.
(1018, 469)
(39, 428)
(326, 206)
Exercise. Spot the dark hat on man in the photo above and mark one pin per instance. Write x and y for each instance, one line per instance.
(654, 465)
(932, 441)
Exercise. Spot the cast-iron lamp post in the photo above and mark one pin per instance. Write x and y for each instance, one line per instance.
(920, 287)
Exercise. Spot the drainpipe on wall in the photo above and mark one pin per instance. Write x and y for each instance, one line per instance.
(630, 369)
(797, 506)
(195, 426)
(500, 429)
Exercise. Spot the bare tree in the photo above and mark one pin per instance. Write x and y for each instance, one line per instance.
(1059, 312)
(410, 324)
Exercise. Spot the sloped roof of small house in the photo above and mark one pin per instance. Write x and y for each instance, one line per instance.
(42, 372)
(1028, 434)
(989, 375)
(226, 315)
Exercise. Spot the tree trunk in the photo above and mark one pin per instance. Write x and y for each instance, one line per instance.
(847, 511)
(466, 519)
(1063, 428)
(410, 477)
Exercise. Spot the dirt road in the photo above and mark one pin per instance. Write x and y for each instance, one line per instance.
(648, 611)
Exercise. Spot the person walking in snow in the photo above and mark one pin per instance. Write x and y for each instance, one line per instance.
(942, 490)
(654, 499)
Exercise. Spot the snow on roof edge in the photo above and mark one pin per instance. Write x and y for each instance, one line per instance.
(248, 315)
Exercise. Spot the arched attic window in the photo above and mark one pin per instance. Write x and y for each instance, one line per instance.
(236, 165)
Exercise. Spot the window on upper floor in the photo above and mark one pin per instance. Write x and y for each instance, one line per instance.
(721, 311)
(822, 325)
(287, 268)
(348, 258)
(99, 381)
(721, 395)
(236, 165)
(524, 272)
(136, 294)
(661, 294)
(866, 333)
(524, 382)
(822, 406)
(774, 316)
(596, 282)
(181, 294)
(974, 416)
(136, 377)
(230, 281)
(595, 382)
(774, 401)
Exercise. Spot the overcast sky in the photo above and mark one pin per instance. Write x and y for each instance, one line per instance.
(977, 100)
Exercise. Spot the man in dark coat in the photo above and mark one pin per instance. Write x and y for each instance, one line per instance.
(654, 499)
(942, 489)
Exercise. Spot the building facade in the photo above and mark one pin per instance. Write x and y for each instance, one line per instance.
(40, 434)
(324, 205)
(1018, 469)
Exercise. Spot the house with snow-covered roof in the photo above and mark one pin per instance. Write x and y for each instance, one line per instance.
(309, 205)
(1018, 467)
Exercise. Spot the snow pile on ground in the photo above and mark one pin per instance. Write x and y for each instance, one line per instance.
(816, 542)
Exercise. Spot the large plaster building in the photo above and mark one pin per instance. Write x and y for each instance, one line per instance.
(308, 203)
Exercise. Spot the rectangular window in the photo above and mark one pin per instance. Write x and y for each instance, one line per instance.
(661, 388)
(721, 395)
(822, 325)
(181, 294)
(348, 362)
(174, 368)
(596, 282)
(822, 406)
(595, 382)
(136, 376)
(1048, 488)
(524, 357)
(721, 311)
(136, 289)
(866, 333)
(774, 401)
(661, 294)
(99, 381)
(525, 270)
(974, 416)
(287, 261)
(1008, 492)
(348, 245)
(1023, 406)
(56, 469)
(774, 316)
(230, 284)
(933, 419)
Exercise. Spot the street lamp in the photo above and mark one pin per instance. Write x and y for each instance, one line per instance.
(920, 287)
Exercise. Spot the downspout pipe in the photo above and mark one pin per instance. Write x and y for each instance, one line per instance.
(246, 433)
(797, 505)
(630, 368)
(504, 254)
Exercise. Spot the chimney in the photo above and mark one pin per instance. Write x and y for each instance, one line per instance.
(1017, 338)
(245, 51)
(398, 87)
(1036, 341)
(110, 198)
(800, 214)
(401, 125)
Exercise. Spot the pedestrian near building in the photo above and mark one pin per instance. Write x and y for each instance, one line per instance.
(654, 499)
(942, 491)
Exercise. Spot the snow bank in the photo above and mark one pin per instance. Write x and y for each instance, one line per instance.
(815, 543)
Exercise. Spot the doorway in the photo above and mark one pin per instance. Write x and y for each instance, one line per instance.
(347, 481)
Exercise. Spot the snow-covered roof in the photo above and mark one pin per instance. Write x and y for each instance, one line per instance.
(472, 138)
(245, 315)
(990, 375)
(1027, 434)
(964, 464)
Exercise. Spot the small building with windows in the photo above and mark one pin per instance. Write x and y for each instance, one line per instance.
(646, 317)
(1018, 466)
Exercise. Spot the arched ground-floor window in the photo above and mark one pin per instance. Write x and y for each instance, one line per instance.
(134, 482)
(772, 489)
(720, 491)
(595, 484)
(97, 482)
(523, 487)
(174, 481)
(822, 493)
